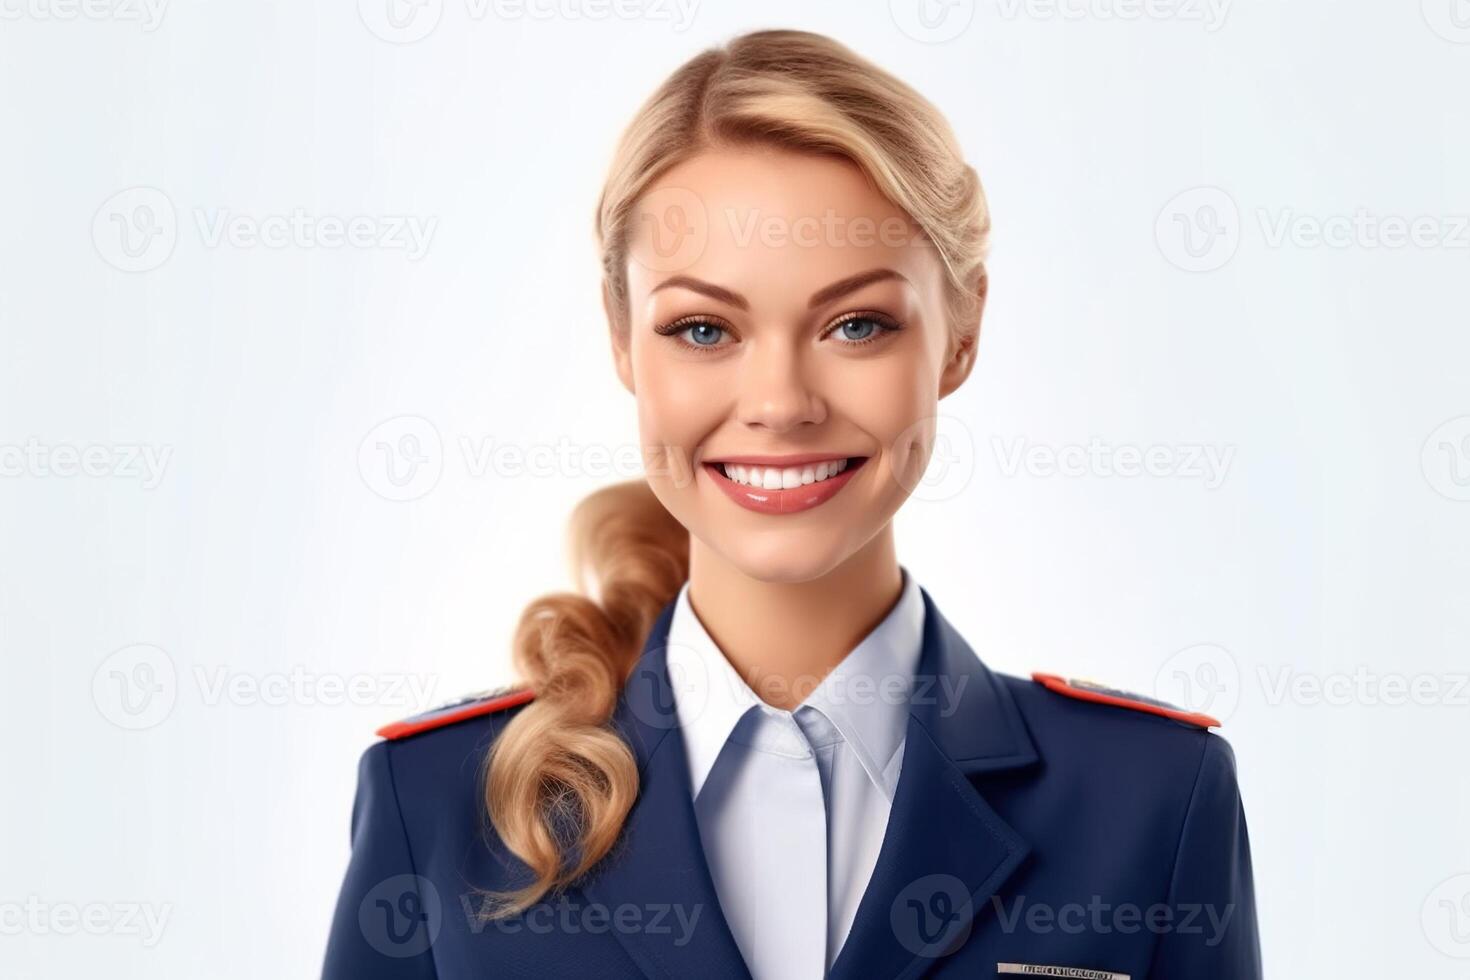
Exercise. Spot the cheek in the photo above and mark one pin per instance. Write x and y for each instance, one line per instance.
(675, 411)
(884, 396)
(894, 401)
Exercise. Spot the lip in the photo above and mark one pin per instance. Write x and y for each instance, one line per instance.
(790, 501)
(793, 459)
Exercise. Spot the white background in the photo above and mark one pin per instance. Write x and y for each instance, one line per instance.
(1330, 549)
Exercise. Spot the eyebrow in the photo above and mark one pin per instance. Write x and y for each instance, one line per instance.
(824, 295)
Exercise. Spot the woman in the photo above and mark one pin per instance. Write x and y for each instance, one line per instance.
(759, 750)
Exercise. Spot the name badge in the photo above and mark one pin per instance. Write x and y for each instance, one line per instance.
(1072, 972)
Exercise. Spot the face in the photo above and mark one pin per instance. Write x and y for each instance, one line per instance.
(787, 347)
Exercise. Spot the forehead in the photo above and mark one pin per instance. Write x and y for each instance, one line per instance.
(774, 220)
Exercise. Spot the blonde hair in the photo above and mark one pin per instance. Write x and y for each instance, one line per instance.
(560, 781)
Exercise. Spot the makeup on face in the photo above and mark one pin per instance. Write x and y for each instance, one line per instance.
(789, 376)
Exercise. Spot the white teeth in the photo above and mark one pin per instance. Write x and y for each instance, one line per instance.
(782, 478)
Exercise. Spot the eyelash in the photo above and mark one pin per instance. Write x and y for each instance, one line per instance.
(886, 325)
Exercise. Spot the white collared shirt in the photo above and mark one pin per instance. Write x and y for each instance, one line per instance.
(854, 721)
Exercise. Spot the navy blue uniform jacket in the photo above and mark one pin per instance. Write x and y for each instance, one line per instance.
(1031, 834)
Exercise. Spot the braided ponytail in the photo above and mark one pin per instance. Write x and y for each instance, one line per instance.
(560, 782)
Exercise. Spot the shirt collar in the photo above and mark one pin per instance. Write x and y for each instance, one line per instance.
(865, 696)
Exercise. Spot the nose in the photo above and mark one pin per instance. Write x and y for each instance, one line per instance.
(775, 390)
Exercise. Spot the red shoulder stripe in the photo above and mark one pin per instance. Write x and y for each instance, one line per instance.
(450, 714)
(1121, 699)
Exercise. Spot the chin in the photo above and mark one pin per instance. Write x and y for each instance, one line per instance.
(783, 557)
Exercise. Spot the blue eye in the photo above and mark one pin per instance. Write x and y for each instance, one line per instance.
(697, 332)
(860, 329)
(703, 334)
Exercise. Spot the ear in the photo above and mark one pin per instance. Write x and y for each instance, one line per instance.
(622, 355)
(961, 360)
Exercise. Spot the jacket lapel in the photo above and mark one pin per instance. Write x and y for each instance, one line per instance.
(659, 865)
(946, 851)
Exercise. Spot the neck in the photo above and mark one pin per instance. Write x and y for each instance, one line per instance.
(782, 638)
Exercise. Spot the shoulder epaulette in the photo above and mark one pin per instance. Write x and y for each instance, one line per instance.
(460, 709)
(1084, 690)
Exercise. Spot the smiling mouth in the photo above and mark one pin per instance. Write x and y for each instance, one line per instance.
(799, 485)
(785, 477)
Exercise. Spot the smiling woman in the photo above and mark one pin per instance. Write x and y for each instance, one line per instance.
(735, 728)
(784, 352)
